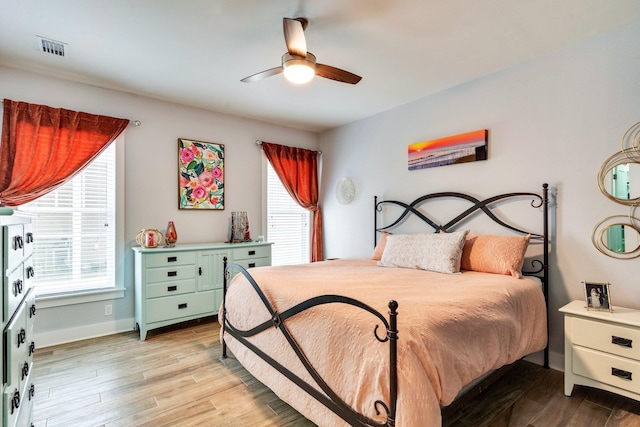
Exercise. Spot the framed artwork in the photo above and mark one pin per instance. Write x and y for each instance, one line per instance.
(598, 296)
(201, 174)
(466, 147)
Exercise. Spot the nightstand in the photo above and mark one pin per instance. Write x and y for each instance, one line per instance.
(602, 349)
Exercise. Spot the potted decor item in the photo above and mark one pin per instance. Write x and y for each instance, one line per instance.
(240, 227)
(149, 238)
(170, 235)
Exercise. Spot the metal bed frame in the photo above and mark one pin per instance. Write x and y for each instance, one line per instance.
(327, 396)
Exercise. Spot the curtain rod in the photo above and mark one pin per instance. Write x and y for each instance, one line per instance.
(135, 123)
(259, 142)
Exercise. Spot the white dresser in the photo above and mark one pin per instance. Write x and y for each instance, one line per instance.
(182, 283)
(18, 313)
(602, 349)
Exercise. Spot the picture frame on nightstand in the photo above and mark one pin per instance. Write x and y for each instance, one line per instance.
(598, 296)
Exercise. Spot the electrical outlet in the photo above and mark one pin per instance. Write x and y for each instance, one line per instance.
(108, 310)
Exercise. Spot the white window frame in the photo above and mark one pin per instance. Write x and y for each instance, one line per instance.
(265, 194)
(118, 289)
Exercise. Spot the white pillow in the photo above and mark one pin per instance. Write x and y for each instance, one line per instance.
(439, 252)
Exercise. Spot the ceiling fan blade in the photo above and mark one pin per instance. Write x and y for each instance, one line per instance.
(262, 75)
(333, 73)
(294, 36)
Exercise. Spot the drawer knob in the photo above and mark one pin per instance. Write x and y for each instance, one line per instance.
(181, 306)
(172, 259)
(172, 273)
(17, 287)
(15, 401)
(22, 337)
(625, 375)
(624, 342)
(25, 370)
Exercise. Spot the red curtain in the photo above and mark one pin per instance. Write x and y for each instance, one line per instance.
(297, 168)
(44, 147)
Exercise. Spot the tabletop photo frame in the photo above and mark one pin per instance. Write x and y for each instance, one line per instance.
(598, 296)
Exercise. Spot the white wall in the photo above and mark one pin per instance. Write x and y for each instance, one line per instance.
(555, 120)
(151, 179)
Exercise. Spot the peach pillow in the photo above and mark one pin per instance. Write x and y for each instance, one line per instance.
(494, 254)
(379, 249)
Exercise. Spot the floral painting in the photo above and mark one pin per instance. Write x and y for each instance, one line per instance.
(201, 167)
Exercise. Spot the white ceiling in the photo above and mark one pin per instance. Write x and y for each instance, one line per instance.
(195, 52)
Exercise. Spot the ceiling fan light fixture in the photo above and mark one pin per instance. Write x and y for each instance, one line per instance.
(298, 69)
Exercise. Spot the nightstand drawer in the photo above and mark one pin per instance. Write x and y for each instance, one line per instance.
(607, 368)
(611, 338)
(251, 252)
(170, 258)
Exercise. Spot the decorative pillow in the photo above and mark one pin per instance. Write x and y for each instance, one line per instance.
(379, 249)
(495, 254)
(434, 252)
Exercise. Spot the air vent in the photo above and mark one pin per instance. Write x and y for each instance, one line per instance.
(52, 47)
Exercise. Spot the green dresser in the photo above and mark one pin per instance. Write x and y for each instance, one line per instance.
(182, 283)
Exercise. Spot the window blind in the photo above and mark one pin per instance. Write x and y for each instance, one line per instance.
(74, 231)
(287, 224)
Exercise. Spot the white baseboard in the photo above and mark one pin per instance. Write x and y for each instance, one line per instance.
(63, 336)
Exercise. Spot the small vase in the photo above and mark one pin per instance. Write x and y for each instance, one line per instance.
(171, 235)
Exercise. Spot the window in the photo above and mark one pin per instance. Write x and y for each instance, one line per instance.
(75, 231)
(287, 224)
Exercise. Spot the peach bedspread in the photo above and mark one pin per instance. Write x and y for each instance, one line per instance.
(452, 330)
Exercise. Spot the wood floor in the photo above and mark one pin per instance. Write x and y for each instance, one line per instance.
(176, 378)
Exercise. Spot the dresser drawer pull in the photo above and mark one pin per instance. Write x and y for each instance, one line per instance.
(172, 259)
(29, 237)
(252, 252)
(17, 243)
(32, 392)
(625, 375)
(32, 348)
(22, 337)
(199, 271)
(621, 341)
(181, 306)
(30, 272)
(32, 311)
(25, 370)
(15, 401)
(252, 264)
(17, 287)
(172, 273)
(172, 288)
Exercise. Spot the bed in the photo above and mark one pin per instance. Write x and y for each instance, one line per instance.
(393, 339)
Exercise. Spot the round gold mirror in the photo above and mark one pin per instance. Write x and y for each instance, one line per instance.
(619, 177)
(617, 238)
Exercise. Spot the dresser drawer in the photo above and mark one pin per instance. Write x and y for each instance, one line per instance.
(14, 292)
(253, 262)
(251, 252)
(174, 307)
(611, 338)
(156, 290)
(170, 274)
(13, 246)
(163, 259)
(606, 368)
(17, 348)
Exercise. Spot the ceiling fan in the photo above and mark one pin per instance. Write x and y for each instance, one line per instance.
(298, 65)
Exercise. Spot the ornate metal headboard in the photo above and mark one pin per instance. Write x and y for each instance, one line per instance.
(540, 267)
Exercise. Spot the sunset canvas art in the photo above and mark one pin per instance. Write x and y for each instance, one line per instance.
(462, 148)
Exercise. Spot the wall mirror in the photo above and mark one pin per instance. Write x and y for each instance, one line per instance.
(618, 236)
